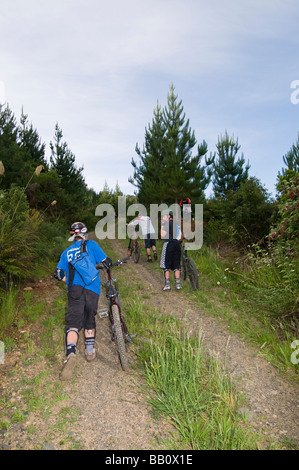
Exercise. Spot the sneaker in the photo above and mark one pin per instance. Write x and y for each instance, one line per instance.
(68, 367)
(90, 357)
(155, 255)
(178, 286)
(166, 287)
(149, 260)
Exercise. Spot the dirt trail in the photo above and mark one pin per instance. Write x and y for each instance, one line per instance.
(113, 412)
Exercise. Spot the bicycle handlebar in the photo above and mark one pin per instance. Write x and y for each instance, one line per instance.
(119, 262)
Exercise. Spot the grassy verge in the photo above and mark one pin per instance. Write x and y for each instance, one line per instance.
(188, 387)
(251, 298)
(183, 383)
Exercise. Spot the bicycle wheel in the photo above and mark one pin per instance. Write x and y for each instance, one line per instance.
(193, 274)
(136, 254)
(183, 266)
(120, 339)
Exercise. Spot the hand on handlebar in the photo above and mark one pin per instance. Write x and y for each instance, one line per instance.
(107, 263)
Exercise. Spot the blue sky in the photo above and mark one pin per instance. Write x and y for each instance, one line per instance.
(98, 69)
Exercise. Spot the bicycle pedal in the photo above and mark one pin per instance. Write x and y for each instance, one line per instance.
(129, 338)
(103, 313)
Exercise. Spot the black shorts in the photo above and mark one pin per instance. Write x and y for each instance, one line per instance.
(149, 242)
(171, 256)
(82, 308)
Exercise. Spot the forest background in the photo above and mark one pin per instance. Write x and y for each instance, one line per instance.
(250, 237)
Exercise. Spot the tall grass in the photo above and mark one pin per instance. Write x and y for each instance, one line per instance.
(258, 295)
(186, 385)
(8, 307)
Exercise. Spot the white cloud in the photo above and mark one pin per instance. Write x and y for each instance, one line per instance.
(98, 68)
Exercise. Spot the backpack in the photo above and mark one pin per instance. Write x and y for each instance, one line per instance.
(84, 266)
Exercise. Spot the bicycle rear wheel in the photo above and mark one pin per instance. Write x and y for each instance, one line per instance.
(120, 338)
(193, 274)
(136, 254)
(183, 266)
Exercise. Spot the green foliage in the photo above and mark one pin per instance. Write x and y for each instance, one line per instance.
(286, 230)
(291, 159)
(241, 219)
(167, 171)
(228, 170)
(20, 149)
(63, 162)
(258, 294)
(18, 236)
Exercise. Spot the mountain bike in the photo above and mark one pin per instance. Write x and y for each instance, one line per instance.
(134, 249)
(118, 325)
(189, 268)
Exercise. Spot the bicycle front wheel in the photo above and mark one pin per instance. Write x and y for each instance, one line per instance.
(120, 338)
(193, 274)
(137, 251)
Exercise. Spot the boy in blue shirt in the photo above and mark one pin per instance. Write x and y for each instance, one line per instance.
(82, 299)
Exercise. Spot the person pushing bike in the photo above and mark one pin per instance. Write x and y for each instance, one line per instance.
(82, 298)
(148, 233)
(171, 251)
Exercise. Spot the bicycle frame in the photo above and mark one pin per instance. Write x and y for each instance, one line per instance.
(113, 298)
(112, 295)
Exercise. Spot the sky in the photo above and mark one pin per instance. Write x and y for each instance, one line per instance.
(99, 68)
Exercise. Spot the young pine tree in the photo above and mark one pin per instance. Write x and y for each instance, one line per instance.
(183, 172)
(148, 175)
(228, 169)
(167, 171)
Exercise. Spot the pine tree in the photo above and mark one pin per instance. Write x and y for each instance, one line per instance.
(291, 159)
(148, 176)
(63, 162)
(184, 174)
(31, 142)
(11, 153)
(228, 169)
(167, 171)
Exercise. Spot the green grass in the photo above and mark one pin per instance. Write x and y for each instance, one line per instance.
(251, 297)
(185, 385)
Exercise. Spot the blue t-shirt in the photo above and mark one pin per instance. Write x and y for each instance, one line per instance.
(96, 255)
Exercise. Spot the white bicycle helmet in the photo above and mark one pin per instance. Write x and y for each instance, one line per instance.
(78, 229)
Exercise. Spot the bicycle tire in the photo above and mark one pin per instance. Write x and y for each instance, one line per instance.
(136, 253)
(184, 267)
(193, 274)
(120, 339)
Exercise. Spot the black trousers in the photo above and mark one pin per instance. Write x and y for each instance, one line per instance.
(82, 308)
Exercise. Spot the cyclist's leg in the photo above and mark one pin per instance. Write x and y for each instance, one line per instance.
(154, 248)
(176, 262)
(147, 244)
(91, 305)
(130, 247)
(166, 279)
